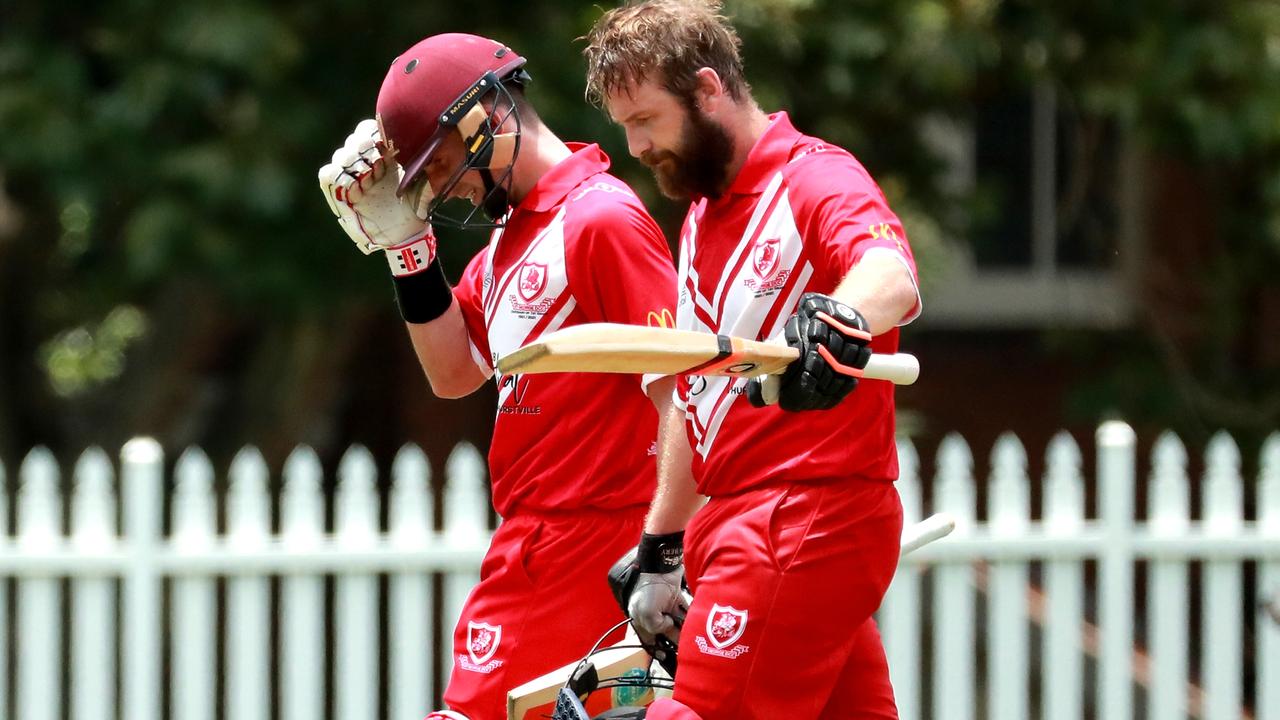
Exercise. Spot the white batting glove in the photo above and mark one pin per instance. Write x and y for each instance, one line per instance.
(359, 184)
(657, 606)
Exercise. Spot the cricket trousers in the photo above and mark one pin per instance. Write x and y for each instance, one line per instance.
(785, 579)
(542, 602)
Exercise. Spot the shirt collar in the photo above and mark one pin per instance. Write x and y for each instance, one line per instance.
(771, 151)
(556, 183)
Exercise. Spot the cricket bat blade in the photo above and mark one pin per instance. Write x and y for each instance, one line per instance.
(618, 348)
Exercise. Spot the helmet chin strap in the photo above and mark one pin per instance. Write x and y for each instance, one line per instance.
(493, 153)
(496, 201)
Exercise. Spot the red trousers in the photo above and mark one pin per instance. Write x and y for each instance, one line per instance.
(542, 601)
(785, 580)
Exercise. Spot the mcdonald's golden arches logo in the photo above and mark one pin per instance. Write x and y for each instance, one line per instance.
(661, 318)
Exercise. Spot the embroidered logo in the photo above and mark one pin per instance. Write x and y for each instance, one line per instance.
(482, 642)
(725, 625)
(766, 257)
(531, 283)
(533, 280)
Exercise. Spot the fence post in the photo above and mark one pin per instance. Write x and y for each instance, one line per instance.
(1222, 620)
(143, 473)
(1268, 652)
(1009, 513)
(1168, 513)
(302, 595)
(900, 611)
(247, 636)
(1063, 692)
(465, 505)
(39, 631)
(953, 597)
(356, 598)
(194, 623)
(93, 519)
(1116, 444)
(412, 683)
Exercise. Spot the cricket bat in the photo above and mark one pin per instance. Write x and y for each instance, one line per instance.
(536, 699)
(618, 348)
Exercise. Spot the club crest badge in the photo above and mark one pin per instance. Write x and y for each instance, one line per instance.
(765, 257)
(770, 275)
(725, 625)
(532, 280)
(482, 641)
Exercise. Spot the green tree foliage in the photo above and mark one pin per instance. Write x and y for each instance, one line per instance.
(167, 263)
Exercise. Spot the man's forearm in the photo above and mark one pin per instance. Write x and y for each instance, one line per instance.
(444, 351)
(677, 498)
(880, 288)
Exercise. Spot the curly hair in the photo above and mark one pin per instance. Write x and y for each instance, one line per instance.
(667, 41)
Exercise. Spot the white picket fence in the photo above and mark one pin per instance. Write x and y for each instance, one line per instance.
(996, 621)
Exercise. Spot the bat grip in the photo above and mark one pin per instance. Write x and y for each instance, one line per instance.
(934, 527)
(897, 368)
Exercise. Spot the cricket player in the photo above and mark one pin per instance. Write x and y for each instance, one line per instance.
(573, 456)
(786, 235)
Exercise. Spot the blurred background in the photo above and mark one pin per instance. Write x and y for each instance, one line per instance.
(1092, 190)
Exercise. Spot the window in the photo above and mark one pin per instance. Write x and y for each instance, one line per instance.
(1051, 236)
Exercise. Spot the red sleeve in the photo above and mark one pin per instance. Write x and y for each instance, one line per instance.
(842, 213)
(470, 296)
(619, 264)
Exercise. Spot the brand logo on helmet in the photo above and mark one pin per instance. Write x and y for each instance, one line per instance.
(465, 99)
(410, 66)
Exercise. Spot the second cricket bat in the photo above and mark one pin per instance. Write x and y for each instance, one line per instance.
(618, 348)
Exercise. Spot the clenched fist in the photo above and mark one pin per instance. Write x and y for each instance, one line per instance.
(359, 184)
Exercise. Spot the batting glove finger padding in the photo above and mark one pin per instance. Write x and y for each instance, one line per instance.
(359, 184)
(834, 344)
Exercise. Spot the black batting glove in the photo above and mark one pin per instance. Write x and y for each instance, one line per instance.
(834, 343)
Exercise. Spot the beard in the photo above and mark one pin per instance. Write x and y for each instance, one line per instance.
(699, 166)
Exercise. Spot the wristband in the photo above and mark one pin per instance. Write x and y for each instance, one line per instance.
(660, 553)
(412, 257)
(424, 295)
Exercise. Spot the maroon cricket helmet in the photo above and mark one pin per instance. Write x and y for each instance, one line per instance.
(429, 86)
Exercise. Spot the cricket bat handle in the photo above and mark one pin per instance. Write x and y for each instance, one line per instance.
(897, 368)
(934, 527)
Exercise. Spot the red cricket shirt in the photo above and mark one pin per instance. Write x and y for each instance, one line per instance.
(579, 248)
(797, 217)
